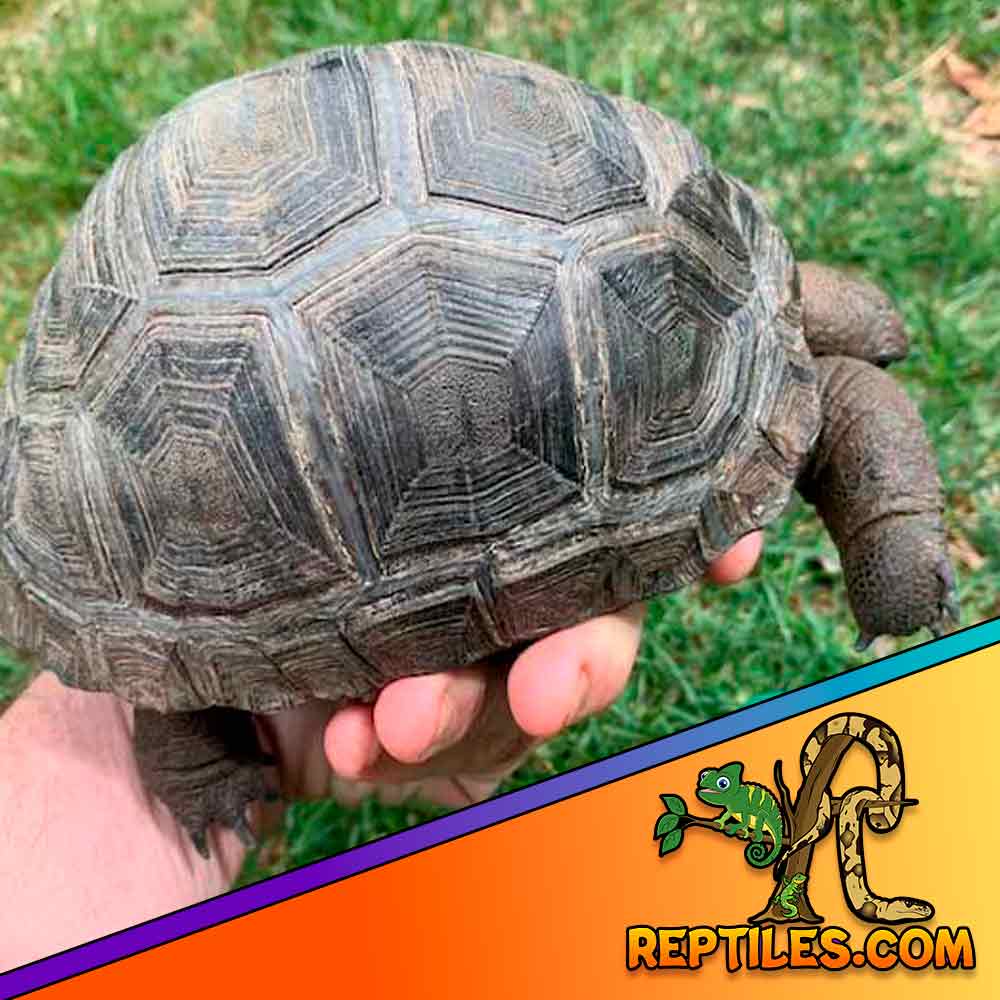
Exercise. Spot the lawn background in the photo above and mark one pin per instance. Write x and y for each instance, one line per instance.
(819, 105)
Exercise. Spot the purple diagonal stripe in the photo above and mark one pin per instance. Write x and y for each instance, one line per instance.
(281, 887)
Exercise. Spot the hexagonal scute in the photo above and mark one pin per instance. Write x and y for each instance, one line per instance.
(679, 372)
(253, 172)
(219, 517)
(448, 370)
(519, 138)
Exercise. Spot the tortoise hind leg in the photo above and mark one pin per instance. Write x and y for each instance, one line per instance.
(874, 481)
(206, 767)
(849, 316)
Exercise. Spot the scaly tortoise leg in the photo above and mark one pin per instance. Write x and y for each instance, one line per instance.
(873, 475)
(874, 481)
(849, 317)
(206, 767)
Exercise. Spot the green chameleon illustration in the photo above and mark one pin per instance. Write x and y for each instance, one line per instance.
(752, 806)
(788, 893)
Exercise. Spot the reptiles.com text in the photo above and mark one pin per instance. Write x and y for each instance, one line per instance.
(830, 948)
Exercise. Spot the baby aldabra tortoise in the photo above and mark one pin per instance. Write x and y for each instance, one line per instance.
(385, 360)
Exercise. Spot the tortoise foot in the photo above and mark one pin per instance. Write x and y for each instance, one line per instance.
(206, 767)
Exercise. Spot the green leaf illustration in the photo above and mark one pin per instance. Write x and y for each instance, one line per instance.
(674, 804)
(666, 823)
(671, 842)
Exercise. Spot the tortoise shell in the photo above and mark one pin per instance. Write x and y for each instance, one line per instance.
(378, 362)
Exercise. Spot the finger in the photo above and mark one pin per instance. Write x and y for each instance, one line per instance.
(458, 791)
(350, 742)
(484, 742)
(453, 792)
(739, 561)
(574, 673)
(418, 717)
(491, 743)
(294, 737)
(350, 792)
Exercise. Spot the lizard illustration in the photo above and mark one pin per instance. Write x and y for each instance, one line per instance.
(752, 806)
(788, 893)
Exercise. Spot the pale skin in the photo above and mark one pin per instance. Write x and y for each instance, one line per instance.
(85, 850)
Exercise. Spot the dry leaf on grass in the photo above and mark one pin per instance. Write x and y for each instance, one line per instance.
(963, 552)
(984, 120)
(930, 62)
(755, 102)
(949, 84)
(970, 78)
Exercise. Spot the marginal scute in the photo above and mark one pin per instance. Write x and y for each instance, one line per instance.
(139, 664)
(794, 419)
(547, 586)
(67, 332)
(302, 641)
(425, 627)
(23, 622)
(44, 538)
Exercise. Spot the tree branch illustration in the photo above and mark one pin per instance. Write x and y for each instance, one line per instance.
(686, 820)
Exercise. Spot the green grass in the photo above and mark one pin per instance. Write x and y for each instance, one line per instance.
(790, 96)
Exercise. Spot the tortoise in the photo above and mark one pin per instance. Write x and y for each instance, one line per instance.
(390, 359)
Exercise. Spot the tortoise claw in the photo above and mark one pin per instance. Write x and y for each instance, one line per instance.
(949, 613)
(200, 843)
(862, 642)
(242, 830)
(949, 592)
(954, 611)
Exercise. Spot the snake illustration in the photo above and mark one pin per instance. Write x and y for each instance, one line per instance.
(855, 807)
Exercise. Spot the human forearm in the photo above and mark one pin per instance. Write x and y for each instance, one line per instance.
(84, 850)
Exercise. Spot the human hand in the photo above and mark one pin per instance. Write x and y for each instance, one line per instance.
(450, 738)
(103, 853)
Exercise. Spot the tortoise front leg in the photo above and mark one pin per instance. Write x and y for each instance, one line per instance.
(874, 481)
(849, 316)
(206, 767)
